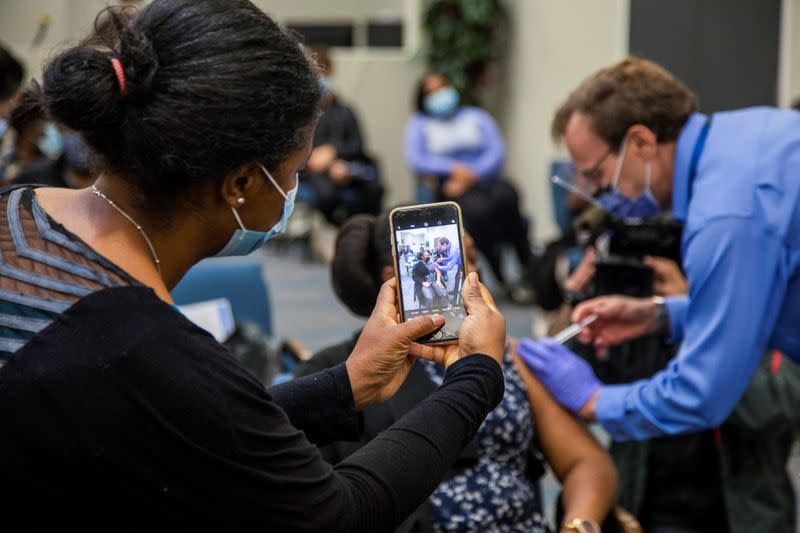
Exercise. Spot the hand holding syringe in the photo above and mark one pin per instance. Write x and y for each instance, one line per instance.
(567, 334)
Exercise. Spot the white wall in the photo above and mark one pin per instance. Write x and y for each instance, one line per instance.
(19, 20)
(554, 45)
(789, 62)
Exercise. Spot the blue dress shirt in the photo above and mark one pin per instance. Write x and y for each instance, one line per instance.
(453, 260)
(741, 255)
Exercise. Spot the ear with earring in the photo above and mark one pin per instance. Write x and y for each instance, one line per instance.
(240, 200)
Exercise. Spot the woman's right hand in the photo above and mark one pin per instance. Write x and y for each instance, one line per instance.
(619, 319)
(426, 284)
(483, 330)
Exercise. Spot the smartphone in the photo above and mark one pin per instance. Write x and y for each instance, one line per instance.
(430, 266)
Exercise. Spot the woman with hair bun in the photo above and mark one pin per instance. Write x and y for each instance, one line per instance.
(117, 412)
(494, 485)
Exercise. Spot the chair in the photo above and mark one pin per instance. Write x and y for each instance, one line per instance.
(239, 279)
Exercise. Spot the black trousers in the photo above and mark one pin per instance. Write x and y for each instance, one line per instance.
(493, 218)
(339, 202)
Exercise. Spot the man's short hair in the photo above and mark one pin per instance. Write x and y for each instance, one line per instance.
(633, 91)
(444, 240)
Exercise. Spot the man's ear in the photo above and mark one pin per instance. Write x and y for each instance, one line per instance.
(237, 186)
(642, 141)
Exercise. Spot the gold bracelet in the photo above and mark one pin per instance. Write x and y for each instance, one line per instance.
(582, 526)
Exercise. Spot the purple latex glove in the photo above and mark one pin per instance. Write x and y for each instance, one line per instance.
(569, 378)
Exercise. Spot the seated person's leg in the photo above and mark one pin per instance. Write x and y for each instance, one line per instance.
(427, 296)
(480, 222)
(323, 192)
(442, 296)
(506, 202)
(360, 197)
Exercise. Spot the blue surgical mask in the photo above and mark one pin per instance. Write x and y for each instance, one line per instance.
(442, 102)
(618, 204)
(325, 84)
(50, 142)
(245, 241)
(3, 127)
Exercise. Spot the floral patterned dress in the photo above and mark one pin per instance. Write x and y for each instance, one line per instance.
(494, 494)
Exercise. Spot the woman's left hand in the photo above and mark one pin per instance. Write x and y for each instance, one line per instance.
(385, 350)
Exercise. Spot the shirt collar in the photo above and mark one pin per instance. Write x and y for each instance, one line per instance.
(683, 161)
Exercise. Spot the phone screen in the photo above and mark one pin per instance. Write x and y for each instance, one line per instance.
(430, 265)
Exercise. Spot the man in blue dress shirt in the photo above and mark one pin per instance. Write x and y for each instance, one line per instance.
(734, 178)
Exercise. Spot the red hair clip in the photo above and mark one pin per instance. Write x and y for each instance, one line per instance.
(120, 75)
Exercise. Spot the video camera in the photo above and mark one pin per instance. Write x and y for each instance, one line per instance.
(621, 245)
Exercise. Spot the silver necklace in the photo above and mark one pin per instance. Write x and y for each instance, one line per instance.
(99, 194)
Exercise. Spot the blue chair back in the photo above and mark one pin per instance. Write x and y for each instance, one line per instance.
(239, 279)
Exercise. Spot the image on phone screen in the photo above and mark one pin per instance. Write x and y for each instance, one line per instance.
(431, 271)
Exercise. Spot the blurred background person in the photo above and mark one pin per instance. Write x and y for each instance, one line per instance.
(340, 179)
(72, 169)
(31, 139)
(457, 153)
(11, 77)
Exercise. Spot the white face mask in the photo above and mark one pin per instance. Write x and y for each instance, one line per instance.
(245, 241)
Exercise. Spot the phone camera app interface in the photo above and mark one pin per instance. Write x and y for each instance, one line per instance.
(431, 273)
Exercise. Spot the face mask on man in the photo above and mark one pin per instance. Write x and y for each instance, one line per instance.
(442, 102)
(245, 241)
(618, 204)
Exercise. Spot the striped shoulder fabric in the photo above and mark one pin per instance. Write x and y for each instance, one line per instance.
(44, 269)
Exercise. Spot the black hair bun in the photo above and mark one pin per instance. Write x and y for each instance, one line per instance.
(81, 88)
(139, 63)
(209, 86)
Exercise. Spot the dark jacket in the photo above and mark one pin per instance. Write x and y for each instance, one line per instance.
(338, 127)
(751, 448)
(420, 274)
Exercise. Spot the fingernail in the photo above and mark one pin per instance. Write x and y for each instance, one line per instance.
(438, 320)
(473, 279)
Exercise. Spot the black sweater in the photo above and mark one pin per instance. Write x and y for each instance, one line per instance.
(122, 415)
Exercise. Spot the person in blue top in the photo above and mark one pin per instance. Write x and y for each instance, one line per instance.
(457, 152)
(734, 178)
(449, 260)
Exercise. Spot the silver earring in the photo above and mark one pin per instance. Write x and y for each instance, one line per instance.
(240, 200)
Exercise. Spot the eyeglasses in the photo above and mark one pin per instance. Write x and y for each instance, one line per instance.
(593, 174)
